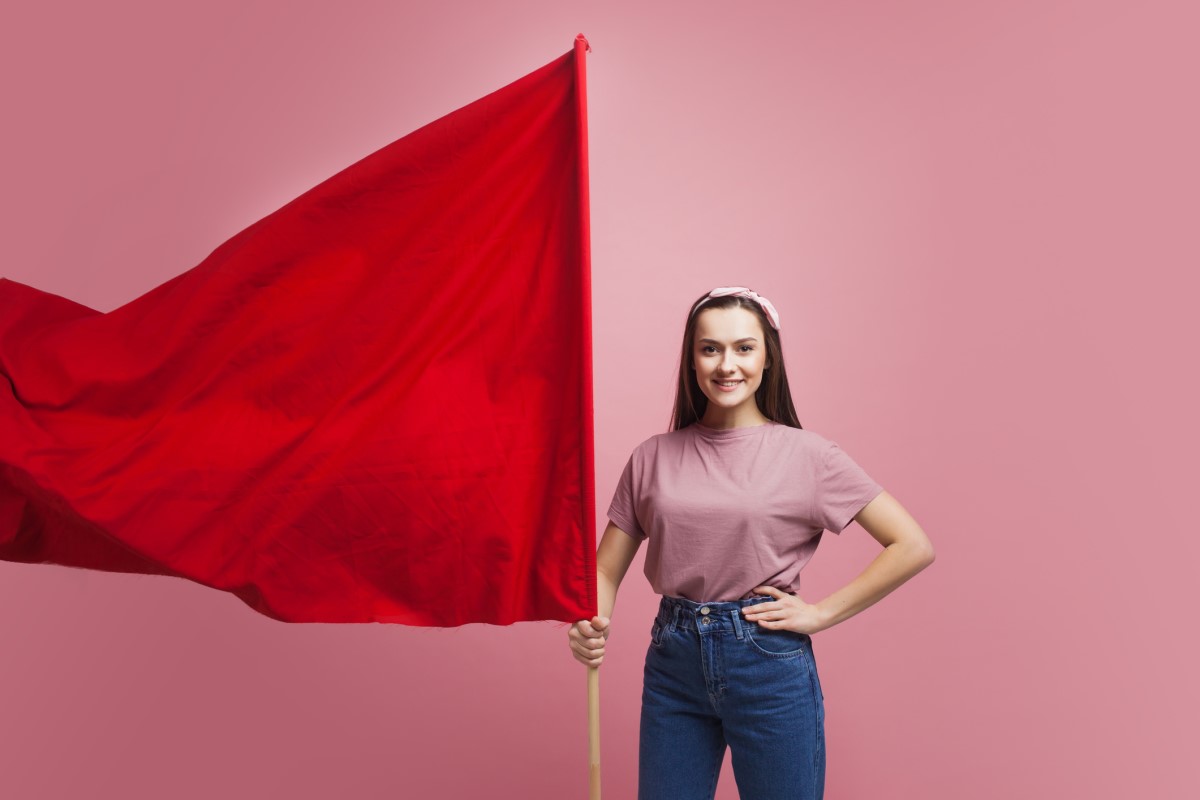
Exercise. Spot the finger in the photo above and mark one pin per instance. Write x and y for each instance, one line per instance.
(587, 646)
(600, 623)
(591, 662)
(587, 630)
(588, 641)
(591, 655)
(758, 608)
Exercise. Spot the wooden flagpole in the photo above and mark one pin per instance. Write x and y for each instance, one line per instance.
(593, 674)
(593, 684)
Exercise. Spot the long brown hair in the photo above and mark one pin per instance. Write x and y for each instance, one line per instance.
(773, 395)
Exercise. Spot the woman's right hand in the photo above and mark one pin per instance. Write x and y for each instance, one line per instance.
(587, 638)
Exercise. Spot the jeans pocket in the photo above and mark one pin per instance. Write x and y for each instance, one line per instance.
(775, 642)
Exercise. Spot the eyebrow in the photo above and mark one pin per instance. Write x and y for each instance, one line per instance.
(739, 341)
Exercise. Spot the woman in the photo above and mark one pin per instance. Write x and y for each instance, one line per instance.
(733, 501)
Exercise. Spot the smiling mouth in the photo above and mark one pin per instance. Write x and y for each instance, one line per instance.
(727, 384)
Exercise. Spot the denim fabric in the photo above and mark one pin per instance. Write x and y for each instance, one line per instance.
(713, 678)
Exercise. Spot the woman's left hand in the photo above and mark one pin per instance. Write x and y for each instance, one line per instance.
(787, 612)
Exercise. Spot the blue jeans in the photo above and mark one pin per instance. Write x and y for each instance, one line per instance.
(714, 679)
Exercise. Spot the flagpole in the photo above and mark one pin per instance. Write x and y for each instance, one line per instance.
(593, 678)
(593, 683)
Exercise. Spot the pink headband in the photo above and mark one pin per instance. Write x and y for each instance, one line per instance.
(722, 291)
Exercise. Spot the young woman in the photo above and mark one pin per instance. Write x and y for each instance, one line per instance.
(733, 501)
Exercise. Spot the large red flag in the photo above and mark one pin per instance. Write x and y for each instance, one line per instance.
(373, 404)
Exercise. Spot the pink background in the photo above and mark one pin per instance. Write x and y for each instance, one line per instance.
(978, 222)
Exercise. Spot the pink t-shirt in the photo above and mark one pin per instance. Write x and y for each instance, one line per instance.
(727, 510)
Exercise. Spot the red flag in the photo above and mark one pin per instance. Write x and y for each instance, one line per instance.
(373, 404)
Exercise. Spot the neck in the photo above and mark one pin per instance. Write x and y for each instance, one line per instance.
(719, 418)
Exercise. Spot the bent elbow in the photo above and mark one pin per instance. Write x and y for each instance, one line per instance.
(920, 554)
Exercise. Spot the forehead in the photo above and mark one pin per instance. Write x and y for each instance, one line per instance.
(727, 324)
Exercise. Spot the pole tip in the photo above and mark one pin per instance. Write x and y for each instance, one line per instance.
(582, 38)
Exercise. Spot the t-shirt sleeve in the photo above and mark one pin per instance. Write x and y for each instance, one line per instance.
(623, 508)
(843, 489)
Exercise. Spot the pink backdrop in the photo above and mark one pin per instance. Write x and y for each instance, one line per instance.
(978, 224)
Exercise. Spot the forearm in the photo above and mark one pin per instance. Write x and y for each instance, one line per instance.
(606, 594)
(893, 566)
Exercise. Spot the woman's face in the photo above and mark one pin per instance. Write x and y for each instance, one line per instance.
(729, 347)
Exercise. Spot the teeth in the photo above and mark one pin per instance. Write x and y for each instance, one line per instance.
(729, 383)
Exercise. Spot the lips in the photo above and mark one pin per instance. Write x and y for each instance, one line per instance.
(725, 388)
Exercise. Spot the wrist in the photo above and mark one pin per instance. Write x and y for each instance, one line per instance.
(825, 617)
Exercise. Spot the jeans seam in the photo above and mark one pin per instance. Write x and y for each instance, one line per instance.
(712, 784)
(810, 668)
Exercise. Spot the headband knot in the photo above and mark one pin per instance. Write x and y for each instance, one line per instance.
(724, 291)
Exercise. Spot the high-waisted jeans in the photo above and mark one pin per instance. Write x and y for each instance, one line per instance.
(713, 678)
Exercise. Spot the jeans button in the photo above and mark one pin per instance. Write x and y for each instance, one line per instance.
(704, 610)
(705, 620)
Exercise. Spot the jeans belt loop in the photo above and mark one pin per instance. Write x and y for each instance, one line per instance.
(737, 622)
(675, 618)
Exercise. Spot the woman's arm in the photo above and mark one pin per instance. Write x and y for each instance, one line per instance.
(586, 637)
(906, 551)
(613, 558)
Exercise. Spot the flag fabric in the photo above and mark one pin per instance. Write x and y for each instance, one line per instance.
(372, 405)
